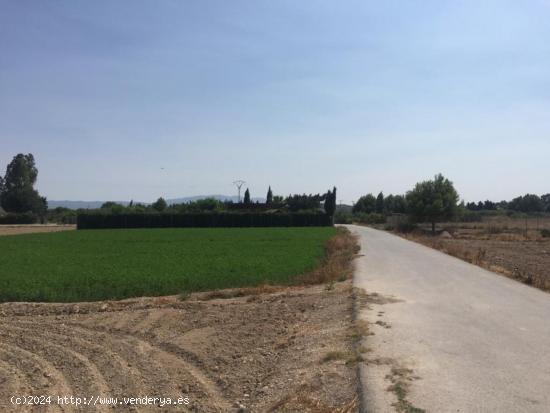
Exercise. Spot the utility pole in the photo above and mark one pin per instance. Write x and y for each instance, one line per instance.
(239, 183)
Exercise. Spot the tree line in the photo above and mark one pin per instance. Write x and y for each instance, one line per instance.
(276, 211)
(528, 203)
(293, 203)
(22, 201)
(436, 200)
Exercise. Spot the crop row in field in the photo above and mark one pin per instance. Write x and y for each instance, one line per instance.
(114, 264)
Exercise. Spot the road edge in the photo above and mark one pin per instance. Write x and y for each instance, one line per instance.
(361, 367)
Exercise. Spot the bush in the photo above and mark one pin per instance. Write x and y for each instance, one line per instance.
(61, 215)
(371, 218)
(545, 233)
(342, 217)
(494, 229)
(18, 219)
(405, 227)
(469, 216)
(201, 219)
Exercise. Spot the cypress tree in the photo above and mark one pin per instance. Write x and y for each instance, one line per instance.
(330, 202)
(380, 203)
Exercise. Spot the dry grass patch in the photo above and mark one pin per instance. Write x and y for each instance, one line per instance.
(334, 355)
(516, 256)
(359, 330)
(238, 292)
(401, 378)
(349, 357)
(33, 228)
(303, 401)
(340, 251)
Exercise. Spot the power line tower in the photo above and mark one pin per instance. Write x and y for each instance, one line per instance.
(239, 183)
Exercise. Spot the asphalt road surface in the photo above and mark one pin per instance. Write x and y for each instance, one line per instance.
(455, 337)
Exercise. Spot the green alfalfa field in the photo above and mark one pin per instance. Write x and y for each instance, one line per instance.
(90, 265)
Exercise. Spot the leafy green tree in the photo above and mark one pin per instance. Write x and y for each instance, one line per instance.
(433, 201)
(17, 193)
(269, 197)
(330, 202)
(160, 204)
(389, 203)
(113, 207)
(247, 196)
(108, 205)
(366, 204)
(489, 205)
(527, 203)
(210, 204)
(395, 204)
(399, 204)
(380, 203)
(207, 204)
(139, 208)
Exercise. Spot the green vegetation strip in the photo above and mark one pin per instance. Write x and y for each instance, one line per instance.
(113, 264)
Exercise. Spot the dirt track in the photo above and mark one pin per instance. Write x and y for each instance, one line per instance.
(28, 229)
(261, 351)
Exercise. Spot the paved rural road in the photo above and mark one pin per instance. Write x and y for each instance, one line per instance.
(478, 342)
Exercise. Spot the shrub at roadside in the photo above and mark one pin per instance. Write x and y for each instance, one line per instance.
(340, 250)
(405, 226)
(343, 217)
(370, 218)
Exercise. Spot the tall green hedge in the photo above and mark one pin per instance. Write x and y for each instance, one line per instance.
(167, 220)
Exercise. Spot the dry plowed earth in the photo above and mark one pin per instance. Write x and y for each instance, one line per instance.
(258, 352)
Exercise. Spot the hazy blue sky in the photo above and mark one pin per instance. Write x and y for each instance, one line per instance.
(302, 95)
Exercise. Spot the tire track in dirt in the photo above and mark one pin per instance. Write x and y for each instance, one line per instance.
(17, 383)
(175, 361)
(39, 371)
(134, 365)
(115, 368)
(82, 367)
(130, 373)
(223, 354)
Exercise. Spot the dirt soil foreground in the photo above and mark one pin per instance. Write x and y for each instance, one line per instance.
(263, 352)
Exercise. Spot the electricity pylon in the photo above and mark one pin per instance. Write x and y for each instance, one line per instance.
(239, 183)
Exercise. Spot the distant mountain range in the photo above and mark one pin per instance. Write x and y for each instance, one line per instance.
(97, 204)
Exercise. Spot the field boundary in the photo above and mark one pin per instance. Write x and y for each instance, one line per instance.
(337, 264)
